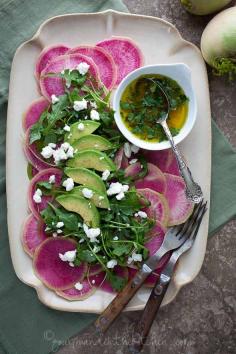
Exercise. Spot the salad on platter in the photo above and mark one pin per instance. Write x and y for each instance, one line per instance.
(99, 205)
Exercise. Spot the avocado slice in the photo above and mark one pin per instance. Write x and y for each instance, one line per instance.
(86, 177)
(92, 159)
(89, 127)
(91, 141)
(85, 208)
(99, 199)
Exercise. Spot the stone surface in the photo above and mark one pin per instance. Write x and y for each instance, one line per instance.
(201, 320)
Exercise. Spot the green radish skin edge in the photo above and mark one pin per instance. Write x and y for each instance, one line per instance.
(218, 42)
(204, 7)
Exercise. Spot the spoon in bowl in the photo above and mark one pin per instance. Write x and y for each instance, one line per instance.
(193, 190)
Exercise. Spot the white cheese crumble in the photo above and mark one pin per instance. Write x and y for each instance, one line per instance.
(96, 249)
(92, 233)
(142, 214)
(81, 126)
(52, 179)
(54, 234)
(93, 281)
(68, 184)
(54, 99)
(59, 224)
(120, 196)
(47, 152)
(59, 155)
(105, 175)
(66, 128)
(127, 150)
(133, 161)
(117, 188)
(78, 286)
(94, 115)
(37, 197)
(83, 68)
(68, 256)
(93, 104)
(112, 263)
(52, 145)
(80, 105)
(136, 257)
(87, 193)
(59, 231)
(134, 148)
(115, 238)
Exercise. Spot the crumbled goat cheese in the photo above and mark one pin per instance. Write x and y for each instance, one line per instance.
(105, 175)
(52, 179)
(54, 99)
(52, 145)
(59, 231)
(54, 234)
(115, 238)
(137, 257)
(47, 152)
(83, 68)
(94, 115)
(59, 224)
(59, 155)
(93, 281)
(81, 126)
(68, 256)
(127, 149)
(68, 184)
(81, 240)
(131, 162)
(87, 193)
(37, 197)
(70, 152)
(80, 105)
(93, 104)
(66, 128)
(120, 196)
(71, 264)
(78, 286)
(142, 214)
(65, 146)
(112, 263)
(117, 188)
(134, 148)
(96, 249)
(91, 233)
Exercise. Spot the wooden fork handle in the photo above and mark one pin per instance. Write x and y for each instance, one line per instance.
(120, 301)
(153, 304)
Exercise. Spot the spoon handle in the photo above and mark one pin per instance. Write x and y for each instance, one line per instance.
(193, 190)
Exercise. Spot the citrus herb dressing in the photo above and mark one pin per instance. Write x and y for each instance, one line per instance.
(142, 103)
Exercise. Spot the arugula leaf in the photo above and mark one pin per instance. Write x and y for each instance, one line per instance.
(45, 185)
(85, 255)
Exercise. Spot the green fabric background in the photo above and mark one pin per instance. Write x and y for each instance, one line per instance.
(26, 325)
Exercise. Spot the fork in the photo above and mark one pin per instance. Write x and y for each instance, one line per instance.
(143, 327)
(174, 238)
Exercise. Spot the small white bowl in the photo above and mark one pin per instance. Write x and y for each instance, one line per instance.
(182, 75)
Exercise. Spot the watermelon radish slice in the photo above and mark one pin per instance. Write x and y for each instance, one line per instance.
(158, 210)
(96, 279)
(94, 269)
(164, 159)
(154, 180)
(47, 55)
(121, 272)
(36, 163)
(180, 207)
(44, 175)
(51, 270)
(74, 294)
(121, 160)
(33, 234)
(54, 85)
(31, 152)
(104, 61)
(34, 112)
(125, 53)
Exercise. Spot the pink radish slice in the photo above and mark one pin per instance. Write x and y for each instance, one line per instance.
(180, 207)
(164, 159)
(47, 55)
(51, 270)
(34, 112)
(121, 272)
(94, 269)
(74, 294)
(33, 234)
(44, 175)
(154, 180)
(104, 61)
(36, 163)
(96, 279)
(125, 53)
(158, 209)
(54, 85)
(121, 160)
(31, 150)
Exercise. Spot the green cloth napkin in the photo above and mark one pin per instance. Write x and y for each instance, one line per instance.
(26, 325)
